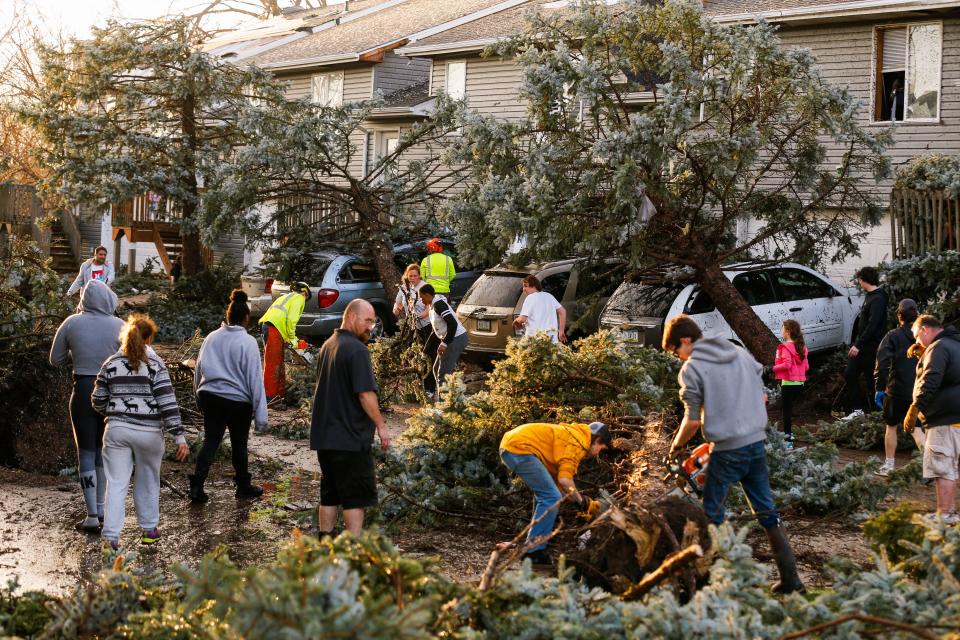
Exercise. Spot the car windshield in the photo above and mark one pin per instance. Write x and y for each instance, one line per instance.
(637, 300)
(500, 290)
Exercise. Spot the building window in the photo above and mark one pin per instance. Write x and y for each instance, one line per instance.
(456, 80)
(908, 72)
(327, 89)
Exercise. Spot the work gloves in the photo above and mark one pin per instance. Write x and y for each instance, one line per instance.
(878, 399)
(910, 422)
(588, 509)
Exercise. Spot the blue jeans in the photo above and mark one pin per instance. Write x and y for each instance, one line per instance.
(748, 466)
(545, 492)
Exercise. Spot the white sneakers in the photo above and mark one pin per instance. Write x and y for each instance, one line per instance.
(884, 470)
(948, 518)
(852, 415)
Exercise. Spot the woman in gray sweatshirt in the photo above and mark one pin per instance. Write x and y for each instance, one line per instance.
(86, 339)
(230, 392)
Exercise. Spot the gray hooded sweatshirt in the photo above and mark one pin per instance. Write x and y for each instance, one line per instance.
(720, 385)
(91, 335)
(229, 366)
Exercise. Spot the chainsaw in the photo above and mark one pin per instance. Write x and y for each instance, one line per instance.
(690, 473)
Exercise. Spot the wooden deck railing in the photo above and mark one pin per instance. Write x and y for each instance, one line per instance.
(19, 204)
(923, 221)
(149, 207)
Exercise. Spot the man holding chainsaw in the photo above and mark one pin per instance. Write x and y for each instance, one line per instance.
(723, 396)
(546, 457)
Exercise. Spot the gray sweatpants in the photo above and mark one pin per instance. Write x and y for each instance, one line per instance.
(124, 447)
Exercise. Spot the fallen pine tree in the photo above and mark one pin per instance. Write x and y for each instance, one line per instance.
(364, 587)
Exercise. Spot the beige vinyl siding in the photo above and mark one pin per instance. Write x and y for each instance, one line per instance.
(844, 53)
(399, 72)
(357, 83)
(493, 85)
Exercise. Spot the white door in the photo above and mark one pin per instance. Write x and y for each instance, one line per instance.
(812, 302)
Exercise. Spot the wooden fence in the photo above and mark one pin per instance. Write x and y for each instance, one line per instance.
(923, 221)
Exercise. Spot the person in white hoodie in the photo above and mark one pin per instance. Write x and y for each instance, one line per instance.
(86, 339)
(229, 388)
(96, 268)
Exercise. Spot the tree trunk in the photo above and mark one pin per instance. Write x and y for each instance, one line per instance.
(191, 256)
(380, 248)
(191, 253)
(753, 333)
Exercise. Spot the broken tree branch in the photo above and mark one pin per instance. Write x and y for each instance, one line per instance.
(861, 617)
(672, 565)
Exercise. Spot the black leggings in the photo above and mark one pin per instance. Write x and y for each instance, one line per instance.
(220, 414)
(790, 394)
(87, 424)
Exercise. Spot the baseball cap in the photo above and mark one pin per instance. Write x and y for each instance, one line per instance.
(907, 304)
(602, 432)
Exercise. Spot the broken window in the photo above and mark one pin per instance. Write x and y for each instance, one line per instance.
(908, 72)
(456, 80)
(327, 89)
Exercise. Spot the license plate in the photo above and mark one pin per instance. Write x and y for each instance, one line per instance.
(631, 335)
(484, 325)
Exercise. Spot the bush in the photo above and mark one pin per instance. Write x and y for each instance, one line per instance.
(895, 531)
(865, 433)
(809, 480)
(150, 278)
(35, 428)
(364, 588)
(25, 614)
(449, 459)
(933, 172)
(195, 303)
(932, 279)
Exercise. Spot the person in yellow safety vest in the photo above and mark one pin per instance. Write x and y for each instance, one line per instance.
(437, 267)
(546, 457)
(279, 325)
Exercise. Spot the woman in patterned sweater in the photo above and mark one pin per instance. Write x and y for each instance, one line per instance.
(134, 392)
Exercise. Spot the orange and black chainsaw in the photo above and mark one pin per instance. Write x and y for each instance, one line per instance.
(691, 472)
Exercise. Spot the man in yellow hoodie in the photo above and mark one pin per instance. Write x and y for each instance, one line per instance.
(546, 457)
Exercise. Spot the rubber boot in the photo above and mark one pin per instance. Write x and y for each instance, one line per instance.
(197, 496)
(786, 562)
(245, 489)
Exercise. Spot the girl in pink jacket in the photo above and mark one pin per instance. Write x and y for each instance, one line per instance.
(790, 368)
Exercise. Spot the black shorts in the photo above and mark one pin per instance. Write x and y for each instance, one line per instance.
(347, 479)
(895, 410)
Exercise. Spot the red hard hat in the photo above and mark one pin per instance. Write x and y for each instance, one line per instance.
(434, 246)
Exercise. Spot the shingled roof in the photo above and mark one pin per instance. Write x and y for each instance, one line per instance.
(476, 34)
(384, 26)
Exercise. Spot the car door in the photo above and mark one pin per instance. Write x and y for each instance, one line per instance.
(814, 303)
(756, 289)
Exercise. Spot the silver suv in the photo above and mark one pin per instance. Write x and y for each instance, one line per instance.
(343, 277)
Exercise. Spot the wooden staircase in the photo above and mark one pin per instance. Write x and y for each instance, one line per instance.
(64, 261)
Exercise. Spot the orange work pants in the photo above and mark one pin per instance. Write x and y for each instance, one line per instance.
(274, 373)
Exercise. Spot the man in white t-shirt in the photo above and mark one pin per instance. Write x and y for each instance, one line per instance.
(541, 312)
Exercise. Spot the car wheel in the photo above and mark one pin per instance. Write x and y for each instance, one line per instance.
(382, 327)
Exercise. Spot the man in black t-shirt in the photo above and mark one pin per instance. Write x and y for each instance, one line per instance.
(346, 413)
